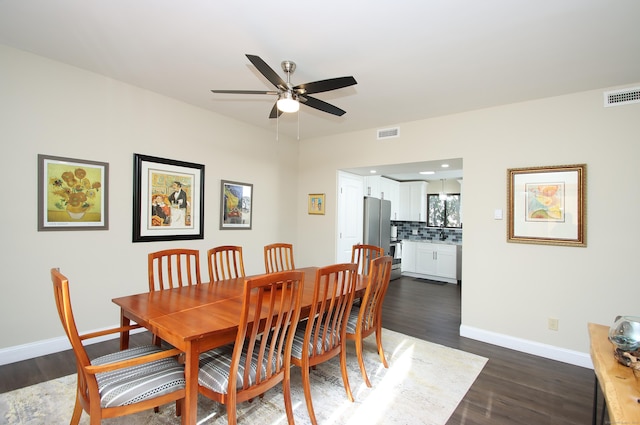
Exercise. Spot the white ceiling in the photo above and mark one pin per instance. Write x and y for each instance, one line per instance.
(412, 59)
(442, 169)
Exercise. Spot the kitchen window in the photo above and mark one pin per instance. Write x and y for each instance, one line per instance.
(443, 212)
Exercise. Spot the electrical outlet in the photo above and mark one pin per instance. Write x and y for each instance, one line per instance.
(414, 232)
(553, 324)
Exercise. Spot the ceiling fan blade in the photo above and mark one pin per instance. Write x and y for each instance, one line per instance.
(275, 112)
(267, 71)
(322, 105)
(244, 91)
(325, 85)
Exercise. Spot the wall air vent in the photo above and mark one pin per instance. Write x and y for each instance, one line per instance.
(388, 133)
(622, 97)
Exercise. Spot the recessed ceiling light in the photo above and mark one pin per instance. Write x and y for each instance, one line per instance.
(445, 165)
(427, 172)
(372, 171)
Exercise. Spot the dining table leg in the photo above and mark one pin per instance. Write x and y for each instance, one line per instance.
(124, 336)
(191, 366)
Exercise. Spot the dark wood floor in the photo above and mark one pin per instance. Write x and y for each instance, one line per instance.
(513, 388)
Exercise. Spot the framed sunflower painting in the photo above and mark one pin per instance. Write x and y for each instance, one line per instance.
(72, 194)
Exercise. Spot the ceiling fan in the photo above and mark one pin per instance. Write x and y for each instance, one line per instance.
(289, 97)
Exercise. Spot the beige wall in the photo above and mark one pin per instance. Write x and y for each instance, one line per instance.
(510, 290)
(50, 108)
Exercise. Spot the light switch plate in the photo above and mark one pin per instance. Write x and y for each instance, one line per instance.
(497, 214)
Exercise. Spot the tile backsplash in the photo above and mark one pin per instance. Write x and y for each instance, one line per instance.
(406, 228)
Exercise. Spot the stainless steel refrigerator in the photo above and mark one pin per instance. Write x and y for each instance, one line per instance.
(377, 222)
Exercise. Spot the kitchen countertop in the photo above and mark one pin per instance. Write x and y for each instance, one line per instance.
(445, 242)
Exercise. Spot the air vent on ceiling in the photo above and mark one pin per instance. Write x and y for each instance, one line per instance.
(388, 133)
(622, 97)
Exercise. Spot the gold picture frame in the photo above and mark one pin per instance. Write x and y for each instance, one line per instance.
(316, 203)
(547, 205)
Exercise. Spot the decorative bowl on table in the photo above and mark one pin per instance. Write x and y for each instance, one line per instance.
(625, 333)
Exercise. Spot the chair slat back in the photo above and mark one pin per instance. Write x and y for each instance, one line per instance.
(278, 257)
(378, 282)
(362, 255)
(270, 314)
(332, 299)
(173, 268)
(225, 262)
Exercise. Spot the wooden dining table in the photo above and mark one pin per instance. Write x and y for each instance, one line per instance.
(617, 382)
(198, 318)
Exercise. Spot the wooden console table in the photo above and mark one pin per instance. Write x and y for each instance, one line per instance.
(619, 385)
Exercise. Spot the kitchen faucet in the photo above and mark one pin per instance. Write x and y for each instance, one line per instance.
(443, 236)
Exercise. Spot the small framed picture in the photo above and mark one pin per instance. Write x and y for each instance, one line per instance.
(236, 205)
(168, 199)
(316, 203)
(547, 205)
(72, 194)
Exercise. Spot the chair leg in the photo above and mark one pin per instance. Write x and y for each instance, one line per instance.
(287, 398)
(307, 393)
(231, 409)
(383, 359)
(358, 342)
(77, 411)
(179, 404)
(343, 369)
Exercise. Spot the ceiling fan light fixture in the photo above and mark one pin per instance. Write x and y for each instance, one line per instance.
(287, 102)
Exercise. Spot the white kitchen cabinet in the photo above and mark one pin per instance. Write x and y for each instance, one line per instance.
(408, 263)
(431, 260)
(384, 188)
(426, 262)
(391, 191)
(372, 186)
(413, 201)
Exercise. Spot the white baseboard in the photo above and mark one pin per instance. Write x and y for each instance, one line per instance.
(48, 346)
(531, 347)
(431, 277)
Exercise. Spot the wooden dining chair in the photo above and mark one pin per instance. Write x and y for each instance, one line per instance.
(173, 268)
(278, 257)
(362, 254)
(225, 262)
(166, 269)
(123, 382)
(260, 358)
(367, 318)
(322, 336)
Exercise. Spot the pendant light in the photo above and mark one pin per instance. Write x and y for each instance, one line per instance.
(442, 195)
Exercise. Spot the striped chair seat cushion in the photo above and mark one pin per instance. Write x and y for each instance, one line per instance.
(298, 342)
(215, 365)
(137, 383)
(352, 321)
